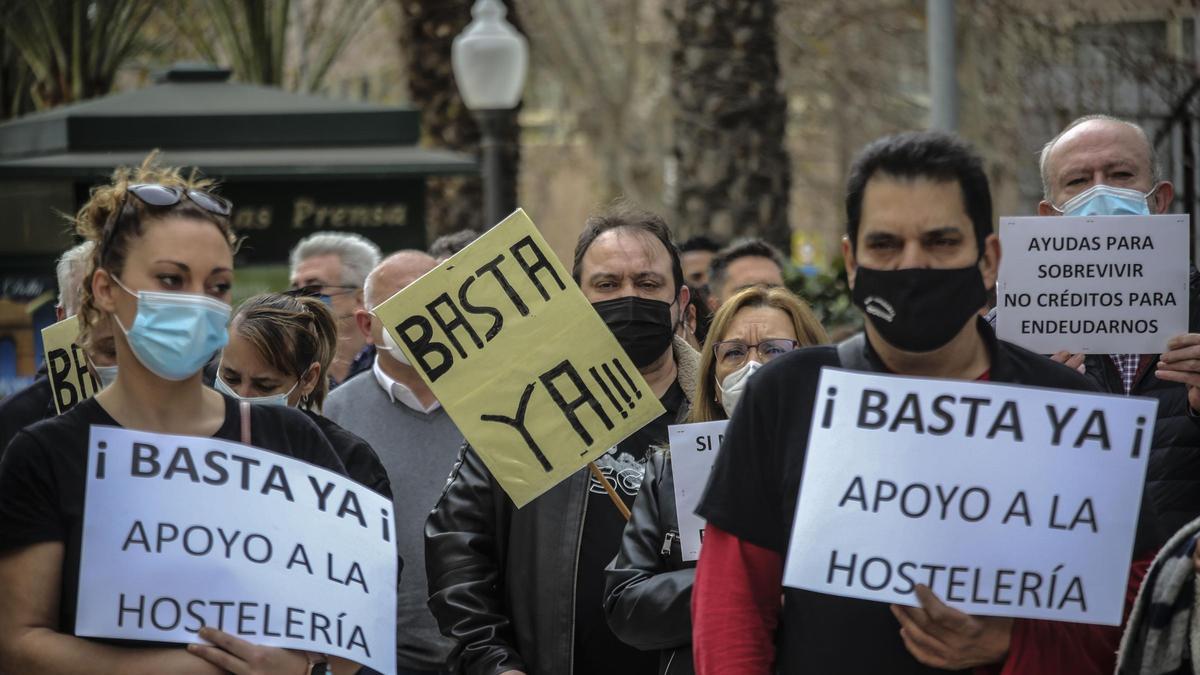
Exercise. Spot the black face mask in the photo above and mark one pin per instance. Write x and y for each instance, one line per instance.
(918, 309)
(643, 327)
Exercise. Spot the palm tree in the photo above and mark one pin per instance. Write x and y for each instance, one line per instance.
(15, 81)
(72, 48)
(733, 168)
(430, 26)
(252, 36)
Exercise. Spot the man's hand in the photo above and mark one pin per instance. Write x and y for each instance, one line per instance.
(940, 636)
(1068, 359)
(1181, 363)
(244, 658)
(512, 672)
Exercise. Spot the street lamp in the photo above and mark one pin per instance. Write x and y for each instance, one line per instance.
(490, 60)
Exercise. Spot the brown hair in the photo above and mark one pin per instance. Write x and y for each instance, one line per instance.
(290, 334)
(624, 214)
(808, 332)
(112, 219)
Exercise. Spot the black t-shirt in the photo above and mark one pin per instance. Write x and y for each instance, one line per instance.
(43, 474)
(755, 481)
(361, 462)
(21, 409)
(597, 650)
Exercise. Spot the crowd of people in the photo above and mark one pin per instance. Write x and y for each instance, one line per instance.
(567, 584)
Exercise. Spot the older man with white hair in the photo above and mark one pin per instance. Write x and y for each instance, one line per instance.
(1100, 165)
(334, 266)
(36, 402)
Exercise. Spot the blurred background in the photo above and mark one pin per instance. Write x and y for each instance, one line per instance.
(731, 117)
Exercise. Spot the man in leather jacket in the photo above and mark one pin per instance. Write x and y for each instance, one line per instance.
(521, 591)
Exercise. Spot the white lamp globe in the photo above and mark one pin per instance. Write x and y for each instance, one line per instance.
(490, 59)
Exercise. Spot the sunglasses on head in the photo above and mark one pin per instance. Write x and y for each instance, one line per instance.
(158, 195)
(155, 194)
(168, 196)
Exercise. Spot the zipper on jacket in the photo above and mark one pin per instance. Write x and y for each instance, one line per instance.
(587, 497)
(666, 547)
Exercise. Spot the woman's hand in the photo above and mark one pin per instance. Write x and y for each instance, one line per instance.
(244, 658)
(179, 662)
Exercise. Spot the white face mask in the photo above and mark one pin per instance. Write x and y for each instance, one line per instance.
(389, 345)
(273, 399)
(106, 374)
(734, 384)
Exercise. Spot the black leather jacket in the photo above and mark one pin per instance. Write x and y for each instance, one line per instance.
(648, 586)
(1173, 472)
(502, 579)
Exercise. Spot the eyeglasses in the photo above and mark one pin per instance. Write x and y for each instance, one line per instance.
(735, 352)
(318, 291)
(312, 291)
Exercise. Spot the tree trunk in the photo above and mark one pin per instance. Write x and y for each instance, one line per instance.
(733, 167)
(430, 26)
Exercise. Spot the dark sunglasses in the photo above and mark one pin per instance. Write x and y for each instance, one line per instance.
(161, 196)
(169, 195)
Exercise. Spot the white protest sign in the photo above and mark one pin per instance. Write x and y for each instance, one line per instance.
(182, 532)
(1004, 500)
(693, 451)
(1104, 285)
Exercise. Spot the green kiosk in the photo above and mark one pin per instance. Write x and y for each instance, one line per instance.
(292, 165)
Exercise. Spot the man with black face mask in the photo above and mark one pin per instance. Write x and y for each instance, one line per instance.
(521, 591)
(921, 257)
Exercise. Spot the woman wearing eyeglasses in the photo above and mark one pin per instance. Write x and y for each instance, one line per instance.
(280, 347)
(163, 270)
(648, 586)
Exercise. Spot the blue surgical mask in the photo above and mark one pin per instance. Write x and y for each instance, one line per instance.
(273, 399)
(175, 334)
(1106, 200)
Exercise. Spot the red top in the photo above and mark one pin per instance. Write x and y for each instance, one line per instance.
(737, 597)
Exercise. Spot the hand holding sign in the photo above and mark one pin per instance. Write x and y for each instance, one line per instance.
(940, 636)
(958, 486)
(1182, 364)
(1068, 359)
(244, 658)
(184, 533)
(1107, 285)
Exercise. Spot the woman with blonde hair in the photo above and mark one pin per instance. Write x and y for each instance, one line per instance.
(648, 586)
(163, 270)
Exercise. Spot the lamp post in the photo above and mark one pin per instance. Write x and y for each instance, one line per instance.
(490, 60)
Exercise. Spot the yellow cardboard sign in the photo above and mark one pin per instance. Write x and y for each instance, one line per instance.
(66, 365)
(519, 359)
